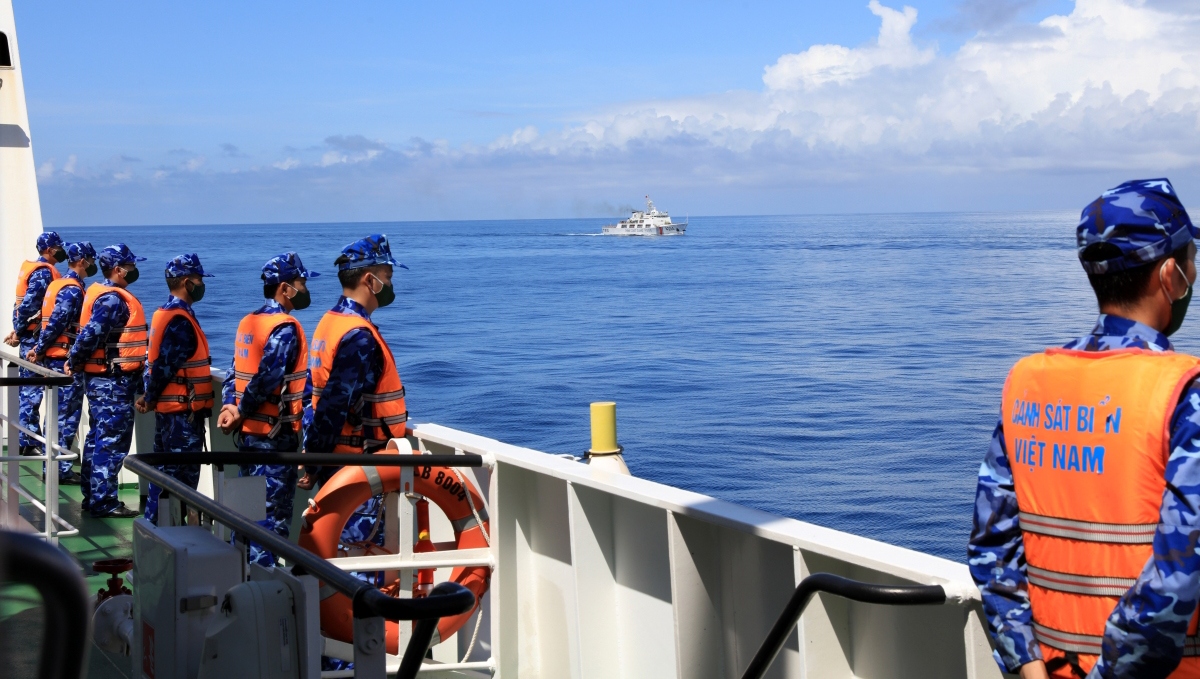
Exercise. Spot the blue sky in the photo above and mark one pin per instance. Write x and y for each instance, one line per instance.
(161, 113)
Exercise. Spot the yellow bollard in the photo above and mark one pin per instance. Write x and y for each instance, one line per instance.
(606, 453)
(604, 429)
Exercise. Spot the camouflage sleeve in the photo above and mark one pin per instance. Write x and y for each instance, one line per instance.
(108, 312)
(279, 355)
(1145, 633)
(66, 311)
(30, 309)
(352, 372)
(178, 344)
(996, 557)
(228, 387)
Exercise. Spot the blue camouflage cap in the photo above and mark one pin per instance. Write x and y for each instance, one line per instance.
(368, 251)
(77, 251)
(1143, 218)
(116, 255)
(186, 265)
(284, 268)
(49, 239)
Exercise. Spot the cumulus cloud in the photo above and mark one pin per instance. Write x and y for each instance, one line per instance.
(1111, 87)
(821, 64)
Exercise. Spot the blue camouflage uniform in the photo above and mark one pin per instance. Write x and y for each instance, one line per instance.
(175, 432)
(110, 395)
(280, 353)
(356, 370)
(1144, 635)
(68, 307)
(27, 312)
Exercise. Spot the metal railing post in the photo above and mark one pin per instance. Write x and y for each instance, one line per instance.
(12, 500)
(370, 650)
(50, 466)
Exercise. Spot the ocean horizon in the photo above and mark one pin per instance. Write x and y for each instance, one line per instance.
(843, 370)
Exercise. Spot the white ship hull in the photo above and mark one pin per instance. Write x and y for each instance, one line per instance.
(665, 230)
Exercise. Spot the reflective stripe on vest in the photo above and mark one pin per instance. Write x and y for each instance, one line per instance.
(124, 348)
(58, 348)
(1087, 644)
(1090, 531)
(1079, 584)
(1086, 435)
(283, 407)
(27, 269)
(191, 387)
(381, 414)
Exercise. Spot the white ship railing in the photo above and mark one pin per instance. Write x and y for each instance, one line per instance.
(53, 526)
(605, 575)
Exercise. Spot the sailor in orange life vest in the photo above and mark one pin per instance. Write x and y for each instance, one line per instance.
(61, 310)
(357, 397)
(264, 394)
(178, 377)
(110, 352)
(35, 276)
(1087, 513)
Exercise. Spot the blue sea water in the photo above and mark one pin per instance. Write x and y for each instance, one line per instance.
(841, 370)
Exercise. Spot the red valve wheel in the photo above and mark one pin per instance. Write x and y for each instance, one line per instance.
(116, 586)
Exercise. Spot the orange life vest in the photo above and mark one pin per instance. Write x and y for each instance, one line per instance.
(1087, 437)
(128, 340)
(383, 409)
(58, 349)
(27, 269)
(252, 334)
(191, 387)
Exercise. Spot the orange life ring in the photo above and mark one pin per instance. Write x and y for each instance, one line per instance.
(348, 489)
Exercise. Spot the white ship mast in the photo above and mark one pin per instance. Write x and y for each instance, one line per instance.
(20, 211)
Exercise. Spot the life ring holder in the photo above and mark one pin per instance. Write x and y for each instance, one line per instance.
(349, 488)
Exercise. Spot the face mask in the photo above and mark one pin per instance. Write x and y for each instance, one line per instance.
(1179, 309)
(92, 269)
(60, 255)
(301, 299)
(386, 294)
(131, 275)
(197, 292)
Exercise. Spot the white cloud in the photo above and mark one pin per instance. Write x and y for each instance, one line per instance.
(822, 64)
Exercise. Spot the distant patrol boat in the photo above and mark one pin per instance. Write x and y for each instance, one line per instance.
(652, 222)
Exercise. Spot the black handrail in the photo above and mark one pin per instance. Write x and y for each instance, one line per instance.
(68, 617)
(380, 459)
(367, 601)
(36, 381)
(890, 595)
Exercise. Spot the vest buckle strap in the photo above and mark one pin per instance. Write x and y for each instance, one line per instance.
(1089, 531)
(1079, 584)
(386, 396)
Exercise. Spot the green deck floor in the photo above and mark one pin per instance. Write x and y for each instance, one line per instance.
(20, 609)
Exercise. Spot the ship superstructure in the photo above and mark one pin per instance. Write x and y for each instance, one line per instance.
(651, 222)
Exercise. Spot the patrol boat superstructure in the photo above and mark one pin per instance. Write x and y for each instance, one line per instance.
(595, 574)
(651, 222)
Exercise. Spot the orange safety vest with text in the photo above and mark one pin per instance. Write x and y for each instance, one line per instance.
(252, 334)
(62, 343)
(27, 269)
(1087, 437)
(129, 341)
(381, 415)
(191, 387)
